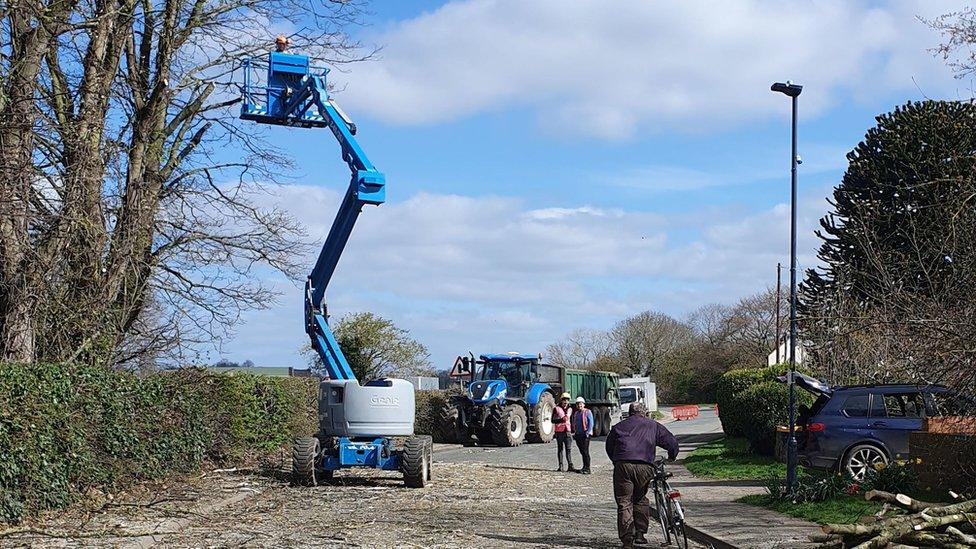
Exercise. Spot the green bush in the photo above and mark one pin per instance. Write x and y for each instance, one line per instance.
(65, 430)
(765, 406)
(428, 405)
(812, 487)
(732, 413)
(895, 477)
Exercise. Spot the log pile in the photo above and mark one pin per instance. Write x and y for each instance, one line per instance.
(904, 523)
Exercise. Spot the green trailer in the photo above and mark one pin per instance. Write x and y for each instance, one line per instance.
(601, 390)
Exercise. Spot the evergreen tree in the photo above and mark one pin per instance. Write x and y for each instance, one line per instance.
(895, 298)
(909, 183)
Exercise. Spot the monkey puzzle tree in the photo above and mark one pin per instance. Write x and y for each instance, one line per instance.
(898, 247)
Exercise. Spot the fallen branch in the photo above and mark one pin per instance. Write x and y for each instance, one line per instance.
(900, 500)
(960, 536)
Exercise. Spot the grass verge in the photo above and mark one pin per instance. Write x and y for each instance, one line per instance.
(730, 459)
(840, 510)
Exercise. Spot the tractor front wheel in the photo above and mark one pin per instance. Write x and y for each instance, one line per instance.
(304, 454)
(509, 425)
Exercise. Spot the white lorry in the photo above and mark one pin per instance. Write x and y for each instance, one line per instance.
(637, 389)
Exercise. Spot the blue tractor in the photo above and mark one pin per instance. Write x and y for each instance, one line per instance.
(509, 399)
(368, 425)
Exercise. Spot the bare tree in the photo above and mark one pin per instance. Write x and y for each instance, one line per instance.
(582, 349)
(958, 31)
(129, 201)
(647, 340)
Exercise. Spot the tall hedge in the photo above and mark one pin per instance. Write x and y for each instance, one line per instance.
(65, 430)
(734, 414)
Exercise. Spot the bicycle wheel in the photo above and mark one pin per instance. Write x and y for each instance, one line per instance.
(677, 524)
(662, 513)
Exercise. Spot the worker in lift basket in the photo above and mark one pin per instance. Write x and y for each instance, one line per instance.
(583, 431)
(561, 418)
(631, 445)
(281, 43)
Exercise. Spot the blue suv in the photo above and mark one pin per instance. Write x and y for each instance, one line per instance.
(856, 427)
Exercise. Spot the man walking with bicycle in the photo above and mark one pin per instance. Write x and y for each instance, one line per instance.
(632, 445)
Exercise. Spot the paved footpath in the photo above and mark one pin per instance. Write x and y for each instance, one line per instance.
(711, 505)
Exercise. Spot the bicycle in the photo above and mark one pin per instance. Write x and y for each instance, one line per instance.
(669, 511)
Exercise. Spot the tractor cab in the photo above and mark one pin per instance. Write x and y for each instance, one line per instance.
(517, 371)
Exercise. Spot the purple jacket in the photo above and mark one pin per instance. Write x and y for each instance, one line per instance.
(636, 439)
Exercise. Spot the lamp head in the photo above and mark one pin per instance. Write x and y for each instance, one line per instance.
(788, 88)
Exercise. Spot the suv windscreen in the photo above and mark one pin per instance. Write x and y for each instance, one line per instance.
(628, 395)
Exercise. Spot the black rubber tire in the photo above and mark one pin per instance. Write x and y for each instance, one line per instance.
(607, 420)
(597, 422)
(447, 426)
(543, 429)
(304, 455)
(508, 425)
(484, 437)
(677, 527)
(662, 516)
(415, 461)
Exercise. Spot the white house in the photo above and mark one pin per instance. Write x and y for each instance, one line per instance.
(784, 353)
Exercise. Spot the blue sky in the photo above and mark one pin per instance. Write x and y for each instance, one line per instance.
(555, 165)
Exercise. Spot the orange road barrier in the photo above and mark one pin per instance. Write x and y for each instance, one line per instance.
(689, 411)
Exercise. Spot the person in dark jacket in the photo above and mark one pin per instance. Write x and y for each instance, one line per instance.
(583, 431)
(632, 445)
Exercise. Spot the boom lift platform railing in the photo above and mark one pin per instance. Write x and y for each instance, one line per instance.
(356, 422)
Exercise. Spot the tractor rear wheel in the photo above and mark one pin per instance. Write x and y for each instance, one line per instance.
(303, 457)
(543, 429)
(416, 460)
(509, 425)
(448, 426)
(484, 437)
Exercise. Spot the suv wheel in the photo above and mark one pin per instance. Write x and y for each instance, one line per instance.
(861, 458)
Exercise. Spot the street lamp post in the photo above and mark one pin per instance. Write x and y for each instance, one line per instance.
(792, 91)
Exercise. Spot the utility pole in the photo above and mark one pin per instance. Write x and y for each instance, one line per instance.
(792, 91)
(779, 332)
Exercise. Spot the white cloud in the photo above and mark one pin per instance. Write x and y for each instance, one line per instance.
(485, 273)
(611, 69)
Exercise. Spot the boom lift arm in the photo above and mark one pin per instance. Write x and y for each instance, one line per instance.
(292, 92)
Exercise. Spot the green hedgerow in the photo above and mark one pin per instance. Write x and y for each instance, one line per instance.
(67, 429)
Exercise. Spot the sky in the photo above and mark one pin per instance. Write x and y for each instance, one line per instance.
(558, 165)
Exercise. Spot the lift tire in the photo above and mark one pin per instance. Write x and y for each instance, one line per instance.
(416, 461)
(543, 429)
(304, 454)
(509, 425)
(447, 427)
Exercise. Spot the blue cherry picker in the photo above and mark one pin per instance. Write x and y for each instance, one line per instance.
(369, 425)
